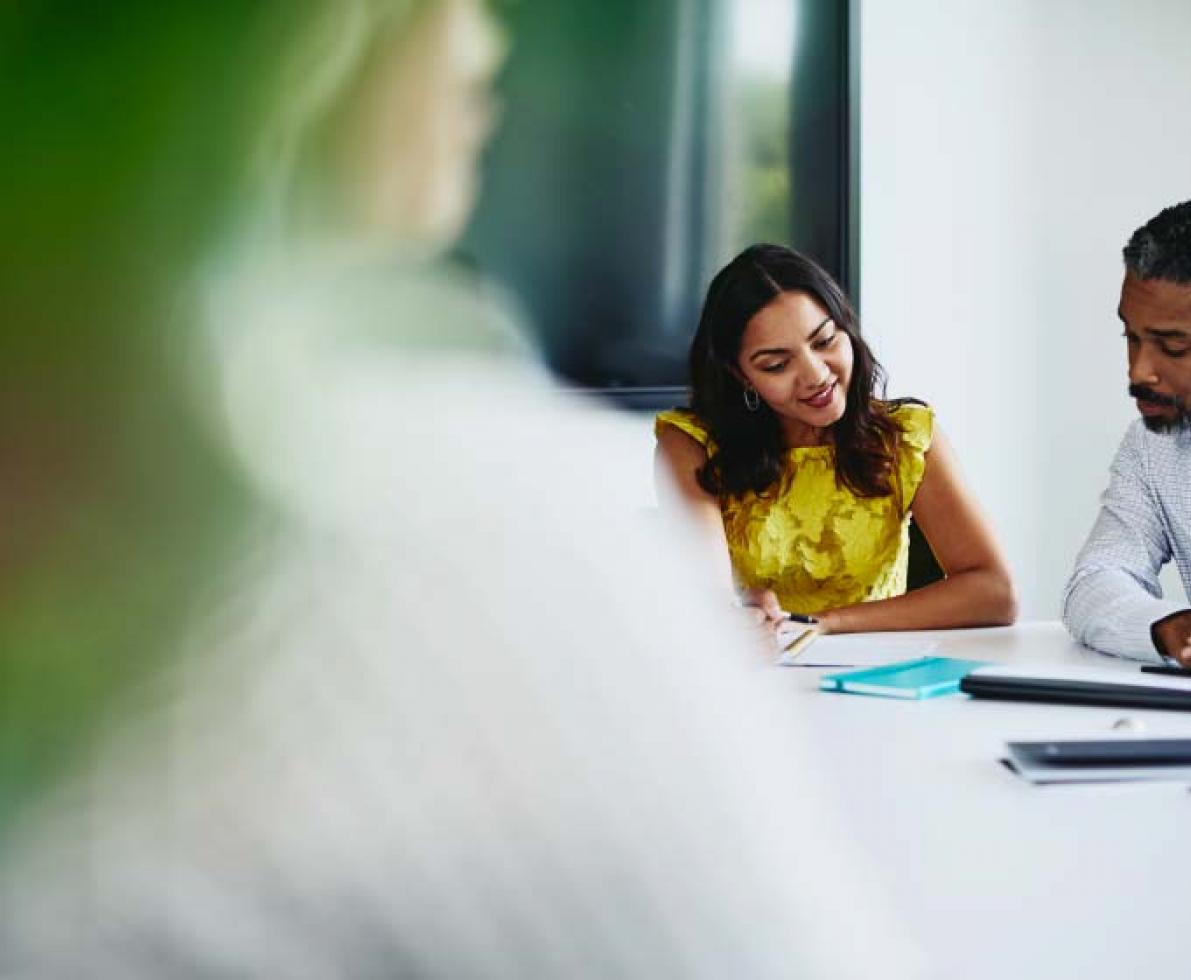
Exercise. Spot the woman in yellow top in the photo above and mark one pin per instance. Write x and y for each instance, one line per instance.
(805, 479)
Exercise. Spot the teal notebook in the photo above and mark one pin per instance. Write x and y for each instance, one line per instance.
(926, 677)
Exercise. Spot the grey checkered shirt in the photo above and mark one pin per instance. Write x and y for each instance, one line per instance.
(1113, 596)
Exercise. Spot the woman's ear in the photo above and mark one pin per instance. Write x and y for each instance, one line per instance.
(738, 375)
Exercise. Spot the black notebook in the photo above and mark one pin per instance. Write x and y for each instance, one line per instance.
(1117, 759)
(1080, 685)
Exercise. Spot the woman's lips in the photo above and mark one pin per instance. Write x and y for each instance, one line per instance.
(822, 399)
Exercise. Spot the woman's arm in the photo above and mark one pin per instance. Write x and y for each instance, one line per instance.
(977, 590)
(677, 459)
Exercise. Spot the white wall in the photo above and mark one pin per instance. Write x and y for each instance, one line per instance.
(1008, 149)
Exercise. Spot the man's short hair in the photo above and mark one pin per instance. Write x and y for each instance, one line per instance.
(1161, 248)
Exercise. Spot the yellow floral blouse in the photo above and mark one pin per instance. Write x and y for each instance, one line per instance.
(815, 543)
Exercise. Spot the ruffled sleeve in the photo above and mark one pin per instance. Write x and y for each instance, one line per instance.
(918, 429)
(688, 422)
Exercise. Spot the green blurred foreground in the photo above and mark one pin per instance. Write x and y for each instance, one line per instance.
(124, 125)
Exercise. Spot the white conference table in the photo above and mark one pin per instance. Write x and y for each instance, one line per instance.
(993, 876)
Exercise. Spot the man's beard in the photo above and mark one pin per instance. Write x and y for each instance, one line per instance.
(1178, 422)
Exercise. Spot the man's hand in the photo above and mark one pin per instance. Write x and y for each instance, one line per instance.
(1172, 636)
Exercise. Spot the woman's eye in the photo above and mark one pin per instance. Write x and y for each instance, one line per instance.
(1175, 351)
(825, 342)
(774, 368)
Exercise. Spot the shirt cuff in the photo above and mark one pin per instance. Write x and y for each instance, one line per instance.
(1121, 625)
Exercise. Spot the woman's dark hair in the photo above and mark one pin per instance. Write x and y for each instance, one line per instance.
(750, 445)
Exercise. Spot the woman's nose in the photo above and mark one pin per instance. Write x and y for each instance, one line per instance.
(815, 372)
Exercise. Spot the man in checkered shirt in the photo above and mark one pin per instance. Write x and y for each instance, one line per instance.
(1113, 601)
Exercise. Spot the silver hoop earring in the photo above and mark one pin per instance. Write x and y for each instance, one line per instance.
(752, 401)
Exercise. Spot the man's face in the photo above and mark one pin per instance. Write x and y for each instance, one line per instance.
(1157, 318)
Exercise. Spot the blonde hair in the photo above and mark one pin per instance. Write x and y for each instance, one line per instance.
(324, 60)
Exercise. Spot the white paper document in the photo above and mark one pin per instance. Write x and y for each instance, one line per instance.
(859, 650)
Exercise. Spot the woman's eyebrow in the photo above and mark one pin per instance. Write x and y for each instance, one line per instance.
(826, 320)
(769, 351)
(765, 351)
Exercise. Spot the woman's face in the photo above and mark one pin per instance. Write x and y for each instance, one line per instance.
(417, 128)
(800, 362)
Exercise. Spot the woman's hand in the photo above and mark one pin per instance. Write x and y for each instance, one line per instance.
(763, 609)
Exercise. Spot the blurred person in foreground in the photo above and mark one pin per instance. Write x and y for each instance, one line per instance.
(449, 713)
(1113, 601)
